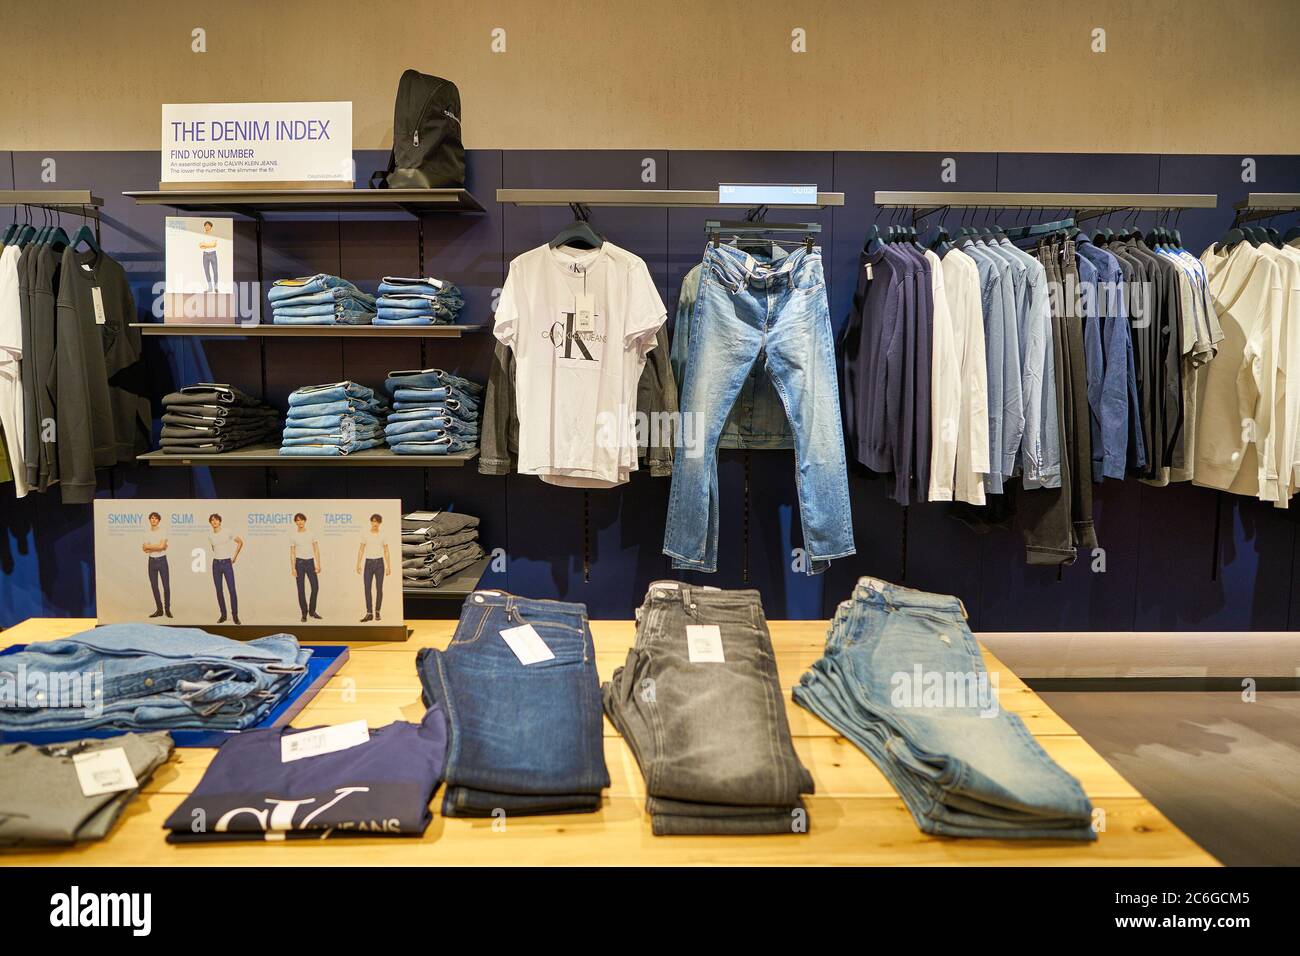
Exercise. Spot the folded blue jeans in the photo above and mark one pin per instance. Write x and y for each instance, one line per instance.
(463, 408)
(446, 445)
(306, 285)
(398, 285)
(429, 378)
(903, 678)
(747, 308)
(442, 423)
(330, 421)
(552, 760)
(330, 449)
(331, 392)
(152, 677)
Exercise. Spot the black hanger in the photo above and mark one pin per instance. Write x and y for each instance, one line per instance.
(578, 233)
(1274, 236)
(873, 235)
(87, 235)
(1292, 233)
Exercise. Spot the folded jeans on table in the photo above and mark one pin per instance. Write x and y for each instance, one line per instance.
(464, 409)
(380, 788)
(522, 739)
(425, 565)
(152, 678)
(712, 739)
(442, 446)
(41, 799)
(963, 766)
(429, 378)
(306, 285)
(330, 392)
(421, 525)
(432, 546)
(330, 449)
(208, 393)
(443, 423)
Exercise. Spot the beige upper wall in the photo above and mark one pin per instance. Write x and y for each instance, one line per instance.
(1195, 76)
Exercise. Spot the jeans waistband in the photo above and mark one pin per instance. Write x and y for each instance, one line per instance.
(875, 590)
(693, 594)
(740, 268)
(490, 598)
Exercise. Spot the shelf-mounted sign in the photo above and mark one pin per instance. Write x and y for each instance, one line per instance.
(767, 194)
(304, 144)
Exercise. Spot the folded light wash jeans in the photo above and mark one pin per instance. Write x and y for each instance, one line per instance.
(330, 449)
(344, 406)
(444, 423)
(465, 409)
(331, 392)
(389, 317)
(711, 738)
(399, 285)
(154, 678)
(331, 420)
(962, 764)
(307, 285)
(444, 445)
(430, 378)
(748, 308)
(552, 759)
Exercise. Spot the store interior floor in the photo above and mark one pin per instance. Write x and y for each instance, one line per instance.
(1225, 771)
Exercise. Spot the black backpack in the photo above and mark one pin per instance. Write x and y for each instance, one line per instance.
(427, 149)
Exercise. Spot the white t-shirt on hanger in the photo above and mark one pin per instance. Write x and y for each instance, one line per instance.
(575, 387)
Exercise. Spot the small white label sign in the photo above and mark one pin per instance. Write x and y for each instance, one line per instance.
(704, 644)
(104, 771)
(584, 313)
(323, 740)
(97, 298)
(527, 644)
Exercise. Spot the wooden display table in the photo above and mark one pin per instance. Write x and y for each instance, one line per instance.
(854, 818)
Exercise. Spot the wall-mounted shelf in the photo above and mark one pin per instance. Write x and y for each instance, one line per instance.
(61, 200)
(1085, 205)
(457, 587)
(645, 198)
(306, 331)
(268, 456)
(1266, 205)
(254, 203)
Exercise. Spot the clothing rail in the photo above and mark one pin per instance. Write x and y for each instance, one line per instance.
(1084, 205)
(1266, 205)
(646, 198)
(81, 201)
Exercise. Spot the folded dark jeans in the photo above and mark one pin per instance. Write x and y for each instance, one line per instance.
(436, 523)
(711, 737)
(41, 800)
(463, 559)
(434, 545)
(525, 739)
(207, 393)
(222, 421)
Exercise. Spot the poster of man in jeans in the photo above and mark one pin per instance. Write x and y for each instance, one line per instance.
(248, 562)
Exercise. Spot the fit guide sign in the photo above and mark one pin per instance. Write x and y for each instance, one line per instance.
(257, 142)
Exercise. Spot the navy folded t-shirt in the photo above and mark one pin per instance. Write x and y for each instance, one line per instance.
(380, 788)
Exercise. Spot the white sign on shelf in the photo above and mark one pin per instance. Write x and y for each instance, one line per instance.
(257, 142)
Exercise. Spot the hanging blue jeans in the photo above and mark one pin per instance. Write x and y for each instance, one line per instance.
(749, 309)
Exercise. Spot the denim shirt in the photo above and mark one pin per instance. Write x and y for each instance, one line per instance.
(758, 418)
(1112, 412)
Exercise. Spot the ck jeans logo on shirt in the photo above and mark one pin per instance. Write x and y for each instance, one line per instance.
(572, 345)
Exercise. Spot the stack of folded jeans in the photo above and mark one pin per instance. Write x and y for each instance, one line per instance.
(424, 301)
(519, 688)
(320, 300)
(902, 677)
(379, 787)
(435, 545)
(334, 419)
(699, 703)
(210, 419)
(434, 412)
(149, 677)
(42, 802)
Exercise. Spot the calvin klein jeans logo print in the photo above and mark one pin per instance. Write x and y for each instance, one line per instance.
(280, 816)
(566, 339)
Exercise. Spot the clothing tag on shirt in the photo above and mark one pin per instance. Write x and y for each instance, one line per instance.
(104, 771)
(527, 644)
(98, 298)
(422, 515)
(704, 643)
(584, 312)
(323, 740)
(868, 270)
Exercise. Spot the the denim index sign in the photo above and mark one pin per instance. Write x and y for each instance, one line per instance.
(257, 142)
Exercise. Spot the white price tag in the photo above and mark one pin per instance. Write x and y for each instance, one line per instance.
(323, 740)
(527, 644)
(584, 312)
(98, 299)
(422, 516)
(868, 270)
(704, 644)
(104, 771)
